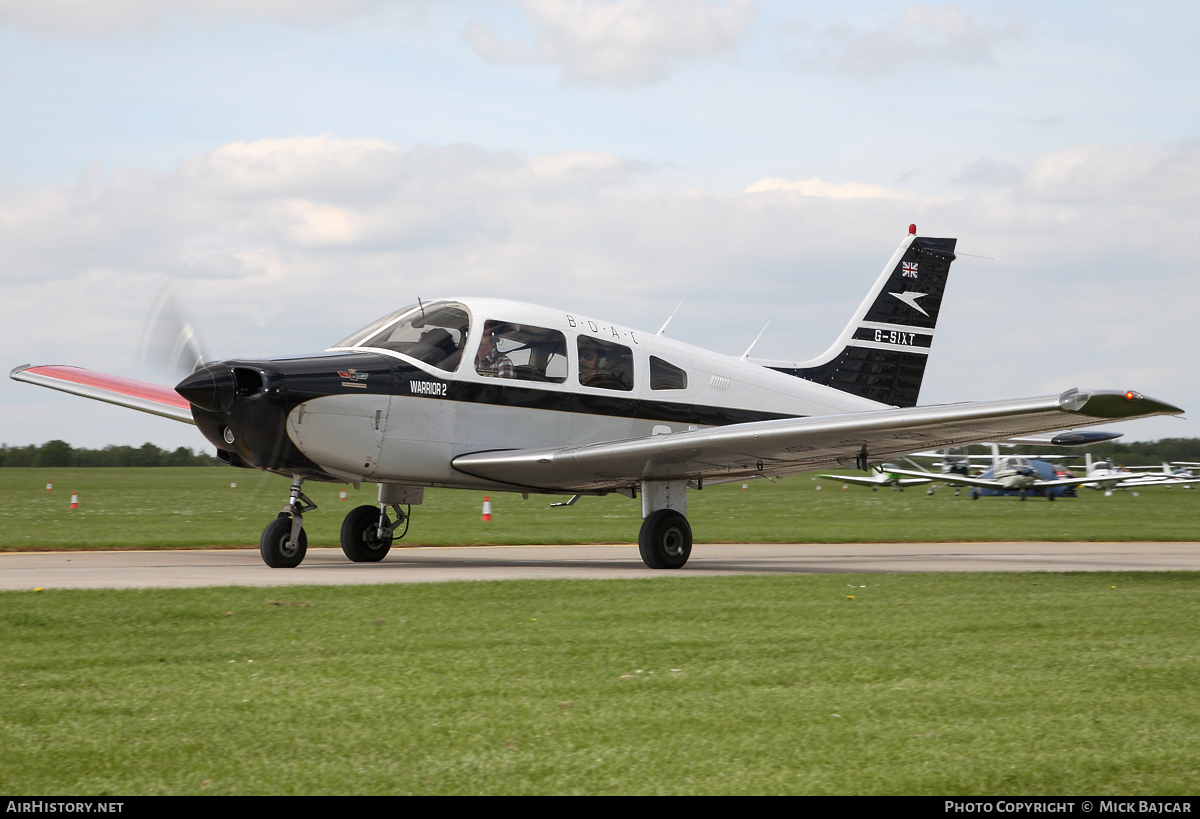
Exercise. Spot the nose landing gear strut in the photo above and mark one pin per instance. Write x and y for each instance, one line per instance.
(283, 543)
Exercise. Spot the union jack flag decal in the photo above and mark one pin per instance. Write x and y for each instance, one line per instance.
(908, 269)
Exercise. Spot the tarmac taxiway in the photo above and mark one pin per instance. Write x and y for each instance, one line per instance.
(244, 567)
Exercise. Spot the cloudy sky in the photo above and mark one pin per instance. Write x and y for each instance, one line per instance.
(296, 168)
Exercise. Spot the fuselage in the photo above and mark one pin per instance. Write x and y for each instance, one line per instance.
(399, 400)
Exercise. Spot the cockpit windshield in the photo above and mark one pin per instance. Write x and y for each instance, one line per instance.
(434, 334)
(370, 330)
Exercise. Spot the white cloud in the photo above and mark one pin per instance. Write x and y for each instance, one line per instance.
(829, 190)
(619, 42)
(88, 18)
(922, 33)
(283, 246)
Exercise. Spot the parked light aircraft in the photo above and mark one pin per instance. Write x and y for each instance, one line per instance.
(1022, 475)
(1107, 476)
(486, 394)
(885, 475)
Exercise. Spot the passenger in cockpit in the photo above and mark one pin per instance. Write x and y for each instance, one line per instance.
(489, 360)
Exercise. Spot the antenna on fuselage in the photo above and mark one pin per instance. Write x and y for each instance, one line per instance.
(421, 306)
(663, 329)
(746, 354)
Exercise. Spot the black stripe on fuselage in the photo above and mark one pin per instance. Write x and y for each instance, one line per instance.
(309, 378)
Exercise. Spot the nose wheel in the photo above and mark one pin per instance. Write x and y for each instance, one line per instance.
(283, 543)
(278, 547)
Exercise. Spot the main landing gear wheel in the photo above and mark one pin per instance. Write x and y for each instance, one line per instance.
(360, 536)
(276, 547)
(665, 541)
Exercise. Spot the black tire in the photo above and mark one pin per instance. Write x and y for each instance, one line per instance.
(665, 541)
(273, 545)
(1021, 494)
(975, 493)
(360, 538)
(1050, 495)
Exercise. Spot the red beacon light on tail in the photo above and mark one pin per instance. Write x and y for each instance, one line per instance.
(912, 230)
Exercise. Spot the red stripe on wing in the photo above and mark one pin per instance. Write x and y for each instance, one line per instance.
(114, 383)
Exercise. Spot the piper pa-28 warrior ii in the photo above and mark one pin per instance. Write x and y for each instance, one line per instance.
(498, 395)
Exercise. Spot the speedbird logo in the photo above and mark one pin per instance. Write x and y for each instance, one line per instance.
(910, 297)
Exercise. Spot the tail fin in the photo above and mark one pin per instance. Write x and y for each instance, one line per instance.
(881, 355)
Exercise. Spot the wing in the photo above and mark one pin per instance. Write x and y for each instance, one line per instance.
(958, 480)
(115, 389)
(857, 480)
(1149, 480)
(1038, 483)
(799, 444)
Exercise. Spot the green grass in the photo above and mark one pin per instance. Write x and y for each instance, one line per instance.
(195, 507)
(924, 684)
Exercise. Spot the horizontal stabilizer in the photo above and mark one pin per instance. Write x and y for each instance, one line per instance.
(114, 389)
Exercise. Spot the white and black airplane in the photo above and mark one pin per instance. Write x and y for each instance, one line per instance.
(485, 394)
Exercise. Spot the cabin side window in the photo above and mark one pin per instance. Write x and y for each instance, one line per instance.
(666, 376)
(605, 365)
(434, 335)
(521, 352)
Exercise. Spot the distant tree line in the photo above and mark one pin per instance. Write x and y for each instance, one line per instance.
(1134, 453)
(60, 453)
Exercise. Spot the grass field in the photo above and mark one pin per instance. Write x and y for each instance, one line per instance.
(925, 684)
(195, 507)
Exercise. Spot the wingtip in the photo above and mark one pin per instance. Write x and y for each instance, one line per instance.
(15, 370)
(1113, 404)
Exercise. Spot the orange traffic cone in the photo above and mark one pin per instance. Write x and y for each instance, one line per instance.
(487, 508)
(74, 500)
(233, 484)
(49, 486)
(342, 496)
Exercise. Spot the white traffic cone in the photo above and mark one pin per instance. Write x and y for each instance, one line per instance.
(233, 484)
(487, 508)
(342, 496)
(49, 486)
(74, 500)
